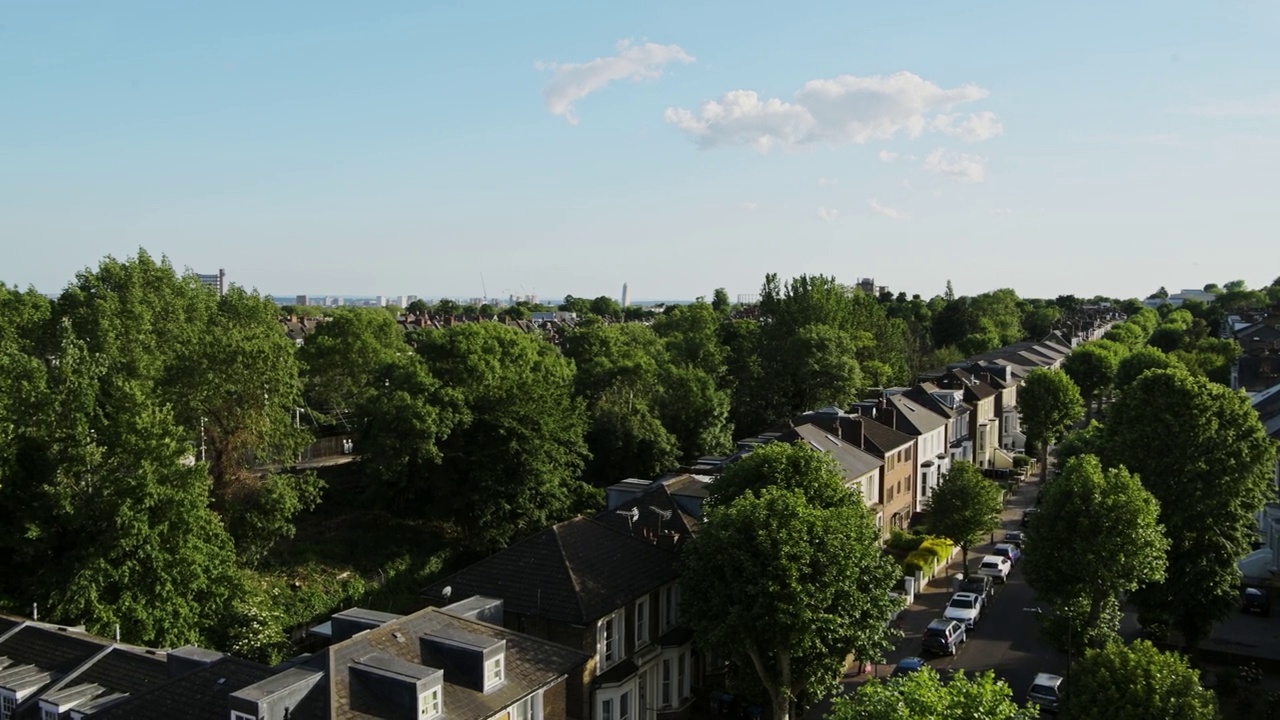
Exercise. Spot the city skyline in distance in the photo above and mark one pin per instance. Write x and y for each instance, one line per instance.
(413, 147)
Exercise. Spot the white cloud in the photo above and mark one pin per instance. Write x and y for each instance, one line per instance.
(837, 111)
(886, 156)
(570, 82)
(969, 168)
(749, 206)
(828, 214)
(1002, 212)
(828, 181)
(978, 126)
(1259, 107)
(886, 211)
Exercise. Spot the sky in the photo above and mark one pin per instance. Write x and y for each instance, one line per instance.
(459, 149)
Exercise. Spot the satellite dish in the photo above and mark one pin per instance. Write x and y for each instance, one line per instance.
(446, 592)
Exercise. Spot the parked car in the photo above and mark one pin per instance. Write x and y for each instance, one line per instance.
(979, 585)
(1028, 515)
(1008, 550)
(1046, 691)
(996, 567)
(943, 637)
(1015, 537)
(965, 608)
(906, 666)
(1255, 600)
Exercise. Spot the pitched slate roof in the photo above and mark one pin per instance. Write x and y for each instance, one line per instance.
(861, 432)
(913, 418)
(923, 395)
(198, 695)
(7, 623)
(530, 664)
(647, 523)
(123, 670)
(855, 461)
(575, 572)
(56, 649)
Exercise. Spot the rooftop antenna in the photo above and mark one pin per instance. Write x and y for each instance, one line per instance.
(446, 592)
(662, 515)
(632, 515)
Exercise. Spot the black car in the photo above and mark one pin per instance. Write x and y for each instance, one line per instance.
(1255, 600)
(979, 585)
(1015, 537)
(1028, 515)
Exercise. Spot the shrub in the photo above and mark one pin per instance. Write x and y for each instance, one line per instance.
(920, 561)
(939, 549)
(903, 542)
(1021, 461)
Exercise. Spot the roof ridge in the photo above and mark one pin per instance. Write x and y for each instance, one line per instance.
(523, 635)
(573, 577)
(79, 670)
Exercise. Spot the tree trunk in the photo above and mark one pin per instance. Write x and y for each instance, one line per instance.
(1044, 459)
(964, 559)
(1095, 617)
(1088, 410)
(779, 688)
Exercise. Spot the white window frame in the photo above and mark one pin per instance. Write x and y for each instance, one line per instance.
(48, 713)
(8, 704)
(670, 602)
(609, 639)
(641, 625)
(237, 715)
(666, 681)
(429, 703)
(495, 672)
(682, 673)
(529, 708)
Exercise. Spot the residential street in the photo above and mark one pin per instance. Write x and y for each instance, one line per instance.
(1006, 640)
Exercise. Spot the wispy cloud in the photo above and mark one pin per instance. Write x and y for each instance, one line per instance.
(968, 168)
(978, 126)
(1267, 106)
(749, 206)
(570, 82)
(828, 181)
(828, 214)
(886, 156)
(1002, 212)
(838, 111)
(880, 209)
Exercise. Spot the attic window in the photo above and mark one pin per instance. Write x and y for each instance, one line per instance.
(429, 704)
(494, 672)
(8, 703)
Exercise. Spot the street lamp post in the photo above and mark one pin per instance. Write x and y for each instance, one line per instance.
(1040, 611)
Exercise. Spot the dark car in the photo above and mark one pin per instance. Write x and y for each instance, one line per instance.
(1015, 537)
(1255, 600)
(1028, 515)
(943, 637)
(979, 585)
(906, 666)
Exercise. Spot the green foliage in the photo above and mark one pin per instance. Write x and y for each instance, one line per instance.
(931, 553)
(903, 541)
(720, 302)
(791, 466)
(924, 696)
(1096, 537)
(1133, 365)
(1137, 682)
(344, 355)
(965, 507)
(1092, 367)
(259, 521)
(511, 462)
(789, 587)
(1085, 441)
(1203, 453)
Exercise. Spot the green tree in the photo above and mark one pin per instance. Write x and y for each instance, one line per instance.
(419, 307)
(1202, 451)
(512, 460)
(1084, 441)
(1039, 322)
(695, 412)
(783, 465)
(924, 696)
(1092, 367)
(691, 336)
(1096, 537)
(1133, 365)
(1049, 403)
(345, 353)
(1137, 682)
(720, 302)
(606, 307)
(964, 508)
(787, 588)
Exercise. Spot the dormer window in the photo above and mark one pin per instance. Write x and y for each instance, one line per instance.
(8, 703)
(48, 713)
(429, 704)
(494, 672)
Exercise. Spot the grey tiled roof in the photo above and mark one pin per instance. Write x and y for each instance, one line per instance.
(855, 461)
(124, 670)
(198, 695)
(575, 572)
(915, 416)
(647, 522)
(530, 664)
(56, 650)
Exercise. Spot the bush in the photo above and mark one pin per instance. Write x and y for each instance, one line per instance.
(903, 542)
(919, 561)
(938, 548)
(1021, 461)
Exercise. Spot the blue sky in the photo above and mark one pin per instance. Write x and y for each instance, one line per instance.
(410, 147)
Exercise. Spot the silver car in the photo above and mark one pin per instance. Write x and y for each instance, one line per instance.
(1046, 691)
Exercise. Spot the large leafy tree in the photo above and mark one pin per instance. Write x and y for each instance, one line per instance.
(1137, 682)
(1097, 536)
(345, 353)
(1203, 453)
(1134, 364)
(1049, 403)
(924, 696)
(1092, 367)
(787, 587)
(965, 507)
(511, 463)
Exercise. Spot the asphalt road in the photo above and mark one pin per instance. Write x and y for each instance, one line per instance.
(1007, 639)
